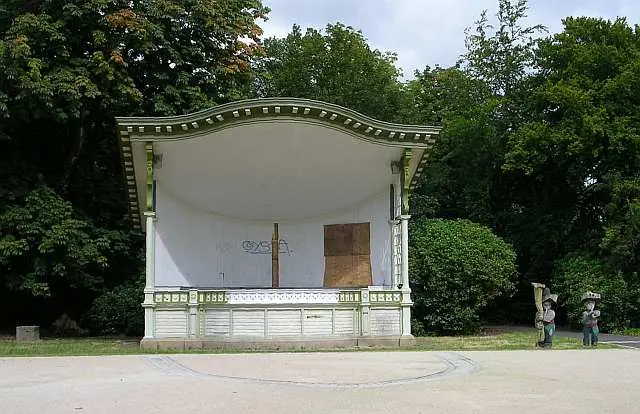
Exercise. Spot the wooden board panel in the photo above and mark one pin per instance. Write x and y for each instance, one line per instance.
(347, 239)
(317, 322)
(248, 323)
(338, 240)
(361, 239)
(385, 321)
(216, 322)
(347, 271)
(284, 322)
(171, 323)
(347, 255)
(344, 323)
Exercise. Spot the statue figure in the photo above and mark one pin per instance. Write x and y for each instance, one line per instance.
(590, 319)
(545, 318)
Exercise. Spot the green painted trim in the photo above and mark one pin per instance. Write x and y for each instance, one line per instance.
(202, 317)
(149, 197)
(128, 172)
(171, 298)
(421, 166)
(251, 110)
(212, 297)
(349, 296)
(406, 179)
(383, 298)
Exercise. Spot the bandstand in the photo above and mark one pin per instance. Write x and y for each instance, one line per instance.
(274, 220)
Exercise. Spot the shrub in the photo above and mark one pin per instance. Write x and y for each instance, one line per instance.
(118, 311)
(577, 274)
(457, 268)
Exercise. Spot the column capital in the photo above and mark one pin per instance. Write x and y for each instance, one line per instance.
(405, 217)
(151, 214)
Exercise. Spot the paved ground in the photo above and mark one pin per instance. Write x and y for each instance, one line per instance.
(620, 340)
(582, 381)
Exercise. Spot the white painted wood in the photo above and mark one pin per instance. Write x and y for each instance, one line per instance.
(317, 322)
(216, 322)
(171, 323)
(406, 290)
(209, 171)
(195, 248)
(385, 322)
(248, 322)
(284, 323)
(344, 322)
(282, 296)
(150, 255)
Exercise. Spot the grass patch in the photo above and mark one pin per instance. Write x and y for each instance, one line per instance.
(68, 347)
(107, 346)
(631, 332)
(498, 342)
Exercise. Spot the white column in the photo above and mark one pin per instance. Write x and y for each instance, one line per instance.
(148, 304)
(365, 311)
(406, 290)
(194, 321)
(395, 252)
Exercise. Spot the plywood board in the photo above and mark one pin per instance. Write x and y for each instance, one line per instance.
(347, 239)
(347, 255)
(361, 239)
(338, 240)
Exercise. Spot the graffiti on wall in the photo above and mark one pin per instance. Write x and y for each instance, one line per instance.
(264, 247)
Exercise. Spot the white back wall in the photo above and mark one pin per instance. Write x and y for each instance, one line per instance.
(197, 248)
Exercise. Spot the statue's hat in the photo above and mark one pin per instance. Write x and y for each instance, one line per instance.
(590, 296)
(546, 296)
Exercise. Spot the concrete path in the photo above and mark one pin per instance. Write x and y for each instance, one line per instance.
(582, 381)
(620, 340)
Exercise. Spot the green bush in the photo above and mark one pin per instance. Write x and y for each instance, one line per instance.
(118, 311)
(456, 269)
(578, 274)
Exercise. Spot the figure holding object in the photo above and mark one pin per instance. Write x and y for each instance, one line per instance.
(590, 319)
(546, 318)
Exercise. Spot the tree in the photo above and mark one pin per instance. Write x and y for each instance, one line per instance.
(337, 66)
(481, 100)
(43, 244)
(581, 144)
(68, 69)
(576, 275)
(458, 182)
(457, 269)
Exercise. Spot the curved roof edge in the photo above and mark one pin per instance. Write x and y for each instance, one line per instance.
(145, 129)
(238, 112)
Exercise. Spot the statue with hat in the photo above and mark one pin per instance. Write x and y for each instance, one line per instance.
(590, 319)
(545, 316)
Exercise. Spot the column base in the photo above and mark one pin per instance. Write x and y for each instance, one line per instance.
(407, 340)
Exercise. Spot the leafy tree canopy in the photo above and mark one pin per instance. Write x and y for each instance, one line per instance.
(336, 66)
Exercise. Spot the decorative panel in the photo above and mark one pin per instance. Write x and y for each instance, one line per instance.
(344, 322)
(385, 322)
(317, 322)
(216, 322)
(284, 322)
(248, 322)
(171, 323)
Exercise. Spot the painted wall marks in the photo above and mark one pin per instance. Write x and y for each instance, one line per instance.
(264, 247)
